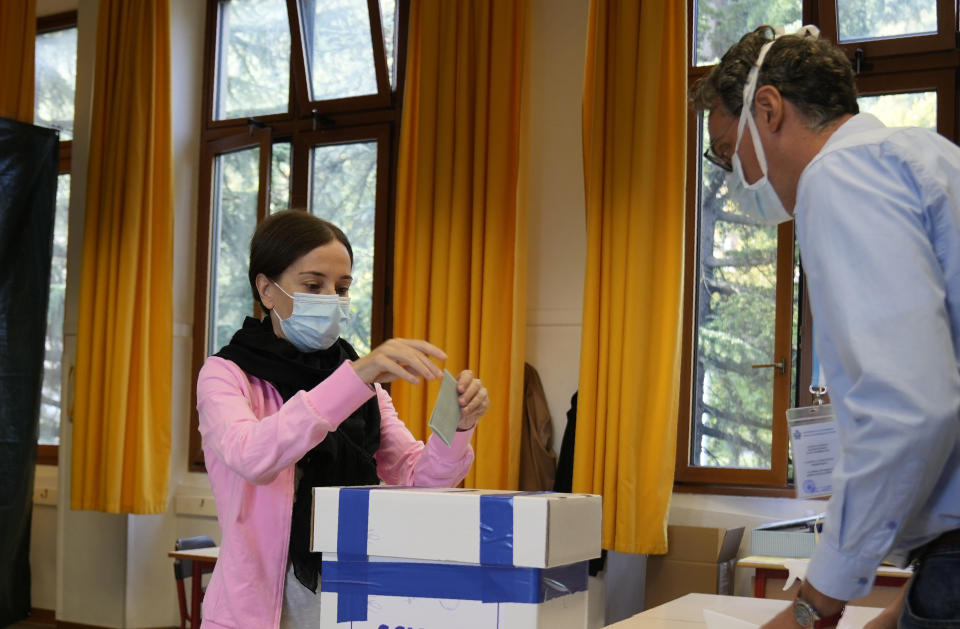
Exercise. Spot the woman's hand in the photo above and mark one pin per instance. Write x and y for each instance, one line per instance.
(400, 359)
(473, 399)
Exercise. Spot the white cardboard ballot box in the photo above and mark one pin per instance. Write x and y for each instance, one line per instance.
(444, 558)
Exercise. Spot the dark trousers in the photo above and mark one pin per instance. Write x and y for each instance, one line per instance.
(933, 597)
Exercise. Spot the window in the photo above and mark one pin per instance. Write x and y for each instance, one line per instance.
(301, 110)
(747, 347)
(55, 84)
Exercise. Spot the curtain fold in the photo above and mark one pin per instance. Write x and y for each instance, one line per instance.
(634, 136)
(18, 33)
(121, 428)
(460, 245)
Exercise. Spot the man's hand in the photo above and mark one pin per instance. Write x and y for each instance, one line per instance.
(890, 616)
(783, 620)
(825, 606)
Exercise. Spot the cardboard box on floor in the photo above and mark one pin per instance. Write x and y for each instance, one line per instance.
(700, 559)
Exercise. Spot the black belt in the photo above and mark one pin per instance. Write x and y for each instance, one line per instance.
(950, 538)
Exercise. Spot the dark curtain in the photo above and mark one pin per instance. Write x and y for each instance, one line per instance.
(28, 186)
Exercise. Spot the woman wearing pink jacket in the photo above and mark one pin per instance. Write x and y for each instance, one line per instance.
(288, 405)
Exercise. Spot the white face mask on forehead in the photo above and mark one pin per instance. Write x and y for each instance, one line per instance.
(757, 200)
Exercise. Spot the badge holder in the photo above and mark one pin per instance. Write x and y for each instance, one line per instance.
(813, 435)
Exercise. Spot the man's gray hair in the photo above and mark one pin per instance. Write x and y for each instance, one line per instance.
(813, 74)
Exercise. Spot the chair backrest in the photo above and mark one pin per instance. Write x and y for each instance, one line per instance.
(183, 568)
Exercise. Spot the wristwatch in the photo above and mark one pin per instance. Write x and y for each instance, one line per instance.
(807, 615)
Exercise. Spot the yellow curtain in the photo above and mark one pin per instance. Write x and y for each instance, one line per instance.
(460, 265)
(121, 428)
(18, 33)
(634, 135)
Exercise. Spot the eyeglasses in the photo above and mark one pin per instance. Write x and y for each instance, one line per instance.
(715, 158)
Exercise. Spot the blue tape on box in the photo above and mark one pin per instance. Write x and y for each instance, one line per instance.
(496, 530)
(352, 526)
(354, 578)
(354, 581)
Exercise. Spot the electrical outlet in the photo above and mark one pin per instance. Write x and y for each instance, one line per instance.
(45, 496)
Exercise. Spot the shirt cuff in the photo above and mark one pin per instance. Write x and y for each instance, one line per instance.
(460, 443)
(337, 397)
(840, 575)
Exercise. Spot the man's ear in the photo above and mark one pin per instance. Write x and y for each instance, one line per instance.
(769, 107)
(265, 287)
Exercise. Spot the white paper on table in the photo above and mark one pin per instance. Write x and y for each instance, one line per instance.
(716, 620)
(797, 569)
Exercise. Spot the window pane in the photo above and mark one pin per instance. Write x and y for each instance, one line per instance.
(736, 312)
(720, 23)
(280, 177)
(388, 21)
(234, 220)
(253, 68)
(55, 77)
(344, 191)
(860, 20)
(338, 48)
(913, 109)
(53, 351)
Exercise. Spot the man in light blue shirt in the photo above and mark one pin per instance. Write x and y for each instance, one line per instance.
(878, 221)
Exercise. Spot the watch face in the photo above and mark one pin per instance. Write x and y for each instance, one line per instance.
(803, 613)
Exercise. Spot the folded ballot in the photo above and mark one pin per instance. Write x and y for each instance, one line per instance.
(446, 410)
(472, 559)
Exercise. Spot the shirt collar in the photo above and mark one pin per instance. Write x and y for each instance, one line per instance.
(856, 124)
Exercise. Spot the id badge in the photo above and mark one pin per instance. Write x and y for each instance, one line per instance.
(813, 435)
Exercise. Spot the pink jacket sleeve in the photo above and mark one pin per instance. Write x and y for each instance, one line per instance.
(258, 445)
(403, 460)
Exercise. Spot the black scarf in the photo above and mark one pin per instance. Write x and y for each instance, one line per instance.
(344, 457)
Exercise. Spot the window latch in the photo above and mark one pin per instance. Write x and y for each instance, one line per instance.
(860, 62)
(780, 366)
(253, 123)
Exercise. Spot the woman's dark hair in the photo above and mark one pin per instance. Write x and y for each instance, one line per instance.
(284, 237)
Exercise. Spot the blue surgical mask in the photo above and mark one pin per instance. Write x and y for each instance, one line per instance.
(757, 200)
(316, 321)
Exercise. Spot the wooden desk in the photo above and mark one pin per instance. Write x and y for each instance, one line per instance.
(774, 568)
(201, 558)
(687, 612)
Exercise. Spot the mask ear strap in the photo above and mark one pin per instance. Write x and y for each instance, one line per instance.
(282, 291)
(746, 115)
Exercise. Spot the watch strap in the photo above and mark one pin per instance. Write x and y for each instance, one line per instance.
(829, 621)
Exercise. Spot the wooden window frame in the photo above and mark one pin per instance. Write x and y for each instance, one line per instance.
(944, 39)
(894, 67)
(50, 454)
(304, 125)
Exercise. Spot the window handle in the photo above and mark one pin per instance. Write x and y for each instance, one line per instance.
(780, 366)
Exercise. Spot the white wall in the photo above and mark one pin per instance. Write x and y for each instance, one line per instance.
(557, 238)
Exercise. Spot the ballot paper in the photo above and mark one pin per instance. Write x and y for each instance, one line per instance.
(446, 410)
(796, 571)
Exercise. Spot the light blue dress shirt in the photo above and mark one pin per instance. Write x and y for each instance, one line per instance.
(878, 220)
